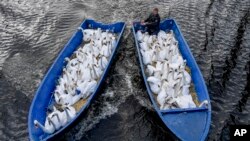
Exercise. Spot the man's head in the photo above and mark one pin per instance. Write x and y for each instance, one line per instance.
(155, 11)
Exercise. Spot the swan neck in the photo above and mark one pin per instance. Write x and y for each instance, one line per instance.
(67, 114)
(41, 126)
(53, 124)
(56, 114)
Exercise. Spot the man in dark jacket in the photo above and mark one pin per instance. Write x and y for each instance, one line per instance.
(152, 23)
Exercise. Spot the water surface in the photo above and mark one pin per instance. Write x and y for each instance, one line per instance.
(33, 33)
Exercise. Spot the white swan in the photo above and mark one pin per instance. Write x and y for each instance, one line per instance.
(185, 101)
(65, 99)
(178, 87)
(165, 70)
(159, 66)
(57, 97)
(150, 70)
(154, 57)
(155, 84)
(144, 46)
(86, 88)
(96, 51)
(70, 112)
(171, 89)
(103, 62)
(113, 42)
(61, 95)
(150, 40)
(98, 71)
(187, 77)
(66, 115)
(86, 73)
(48, 128)
(185, 89)
(155, 88)
(163, 54)
(105, 51)
(93, 72)
(66, 59)
(161, 97)
(104, 35)
(205, 102)
(98, 33)
(172, 76)
(139, 35)
(176, 61)
(88, 48)
(55, 118)
(145, 37)
(109, 49)
(87, 34)
(153, 80)
(147, 56)
(63, 118)
(90, 88)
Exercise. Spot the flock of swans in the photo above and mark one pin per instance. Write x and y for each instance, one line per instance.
(80, 77)
(166, 70)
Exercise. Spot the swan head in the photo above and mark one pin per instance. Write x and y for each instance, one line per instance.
(51, 122)
(170, 70)
(78, 70)
(54, 108)
(66, 108)
(184, 63)
(92, 42)
(175, 43)
(36, 123)
(157, 46)
(59, 99)
(67, 59)
(85, 32)
(65, 85)
(64, 70)
(57, 94)
(171, 32)
(66, 92)
(181, 86)
(205, 102)
(154, 37)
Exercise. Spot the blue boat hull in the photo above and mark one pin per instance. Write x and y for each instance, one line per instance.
(43, 97)
(187, 124)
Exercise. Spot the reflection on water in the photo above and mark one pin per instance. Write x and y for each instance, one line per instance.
(33, 33)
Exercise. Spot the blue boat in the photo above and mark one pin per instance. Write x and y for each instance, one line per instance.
(44, 95)
(189, 124)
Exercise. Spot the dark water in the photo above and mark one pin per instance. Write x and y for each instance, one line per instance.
(33, 33)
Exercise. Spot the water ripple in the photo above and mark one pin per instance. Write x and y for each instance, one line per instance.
(33, 33)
